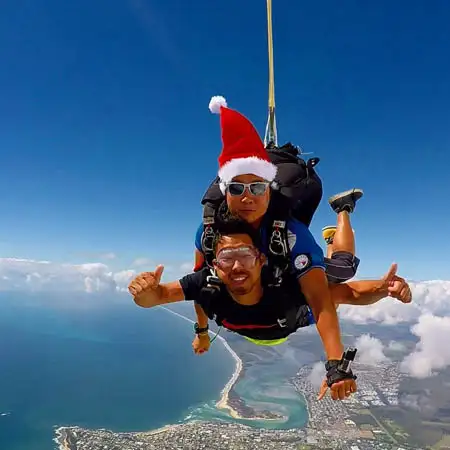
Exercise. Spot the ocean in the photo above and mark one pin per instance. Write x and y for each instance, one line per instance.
(100, 362)
(116, 366)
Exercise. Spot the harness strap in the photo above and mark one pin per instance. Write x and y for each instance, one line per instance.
(278, 248)
(209, 233)
(208, 296)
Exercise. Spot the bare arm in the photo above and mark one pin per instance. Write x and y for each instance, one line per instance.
(202, 318)
(367, 292)
(314, 286)
(361, 293)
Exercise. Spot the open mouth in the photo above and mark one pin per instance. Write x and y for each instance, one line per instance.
(238, 279)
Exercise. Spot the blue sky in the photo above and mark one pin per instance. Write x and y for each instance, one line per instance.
(107, 143)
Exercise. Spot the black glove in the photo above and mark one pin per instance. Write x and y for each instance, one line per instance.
(335, 374)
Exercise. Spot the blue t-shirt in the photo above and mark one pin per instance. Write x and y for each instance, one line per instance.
(305, 253)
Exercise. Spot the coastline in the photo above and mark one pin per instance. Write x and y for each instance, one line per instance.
(66, 436)
(224, 401)
(62, 439)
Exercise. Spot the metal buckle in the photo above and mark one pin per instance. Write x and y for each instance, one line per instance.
(213, 281)
(277, 240)
(208, 239)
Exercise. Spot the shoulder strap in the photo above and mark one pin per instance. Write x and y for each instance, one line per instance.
(209, 232)
(211, 200)
(277, 245)
(208, 296)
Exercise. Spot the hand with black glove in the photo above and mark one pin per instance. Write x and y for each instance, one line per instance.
(339, 379)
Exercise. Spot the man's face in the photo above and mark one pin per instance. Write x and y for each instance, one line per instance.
(250, 203)
(238, 263)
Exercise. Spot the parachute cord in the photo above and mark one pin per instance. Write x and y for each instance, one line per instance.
(270, 48)
(214, 338)
(271, 128)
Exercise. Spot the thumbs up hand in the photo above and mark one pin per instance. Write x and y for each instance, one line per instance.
(390, 274)
(145, 288)
(396, 286)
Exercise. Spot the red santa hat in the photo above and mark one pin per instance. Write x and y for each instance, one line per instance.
(243, 151)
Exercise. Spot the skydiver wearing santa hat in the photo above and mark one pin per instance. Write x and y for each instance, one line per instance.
(246, 178)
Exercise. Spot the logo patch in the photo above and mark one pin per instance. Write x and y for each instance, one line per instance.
(301, 262)
(292, 239)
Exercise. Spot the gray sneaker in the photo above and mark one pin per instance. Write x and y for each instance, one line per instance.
(345, 201)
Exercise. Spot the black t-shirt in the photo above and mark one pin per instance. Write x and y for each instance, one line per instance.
(259, 321)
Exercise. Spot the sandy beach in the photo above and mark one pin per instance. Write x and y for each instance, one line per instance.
(224, 403)
(61, 439)
(62, 436)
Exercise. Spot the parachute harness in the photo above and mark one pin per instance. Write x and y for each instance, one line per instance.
(277, 238)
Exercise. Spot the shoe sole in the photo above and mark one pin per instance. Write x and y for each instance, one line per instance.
(343, 194)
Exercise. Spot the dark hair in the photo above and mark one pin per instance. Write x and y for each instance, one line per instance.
(228, 224)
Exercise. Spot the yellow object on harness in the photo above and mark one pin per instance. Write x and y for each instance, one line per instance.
(266, 342)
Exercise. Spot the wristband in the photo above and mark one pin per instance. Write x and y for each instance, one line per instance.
(198, 330)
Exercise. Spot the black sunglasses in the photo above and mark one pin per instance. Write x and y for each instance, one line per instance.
(257, 188)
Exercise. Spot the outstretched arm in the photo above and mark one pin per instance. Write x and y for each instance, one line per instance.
(367, 292)
(358, 292)
(148, 291)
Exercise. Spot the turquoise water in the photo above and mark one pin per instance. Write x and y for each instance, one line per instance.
(121, 368)
(265, 386)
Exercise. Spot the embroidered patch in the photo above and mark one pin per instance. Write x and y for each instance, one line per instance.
(302, 262)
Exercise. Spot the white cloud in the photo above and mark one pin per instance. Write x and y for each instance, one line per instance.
(370, 350)
(123, 278)
(429, 316)
(317, 375)
(32, 275)
(171, 271)
(429, 297)
(395, 346)
(431, 352)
